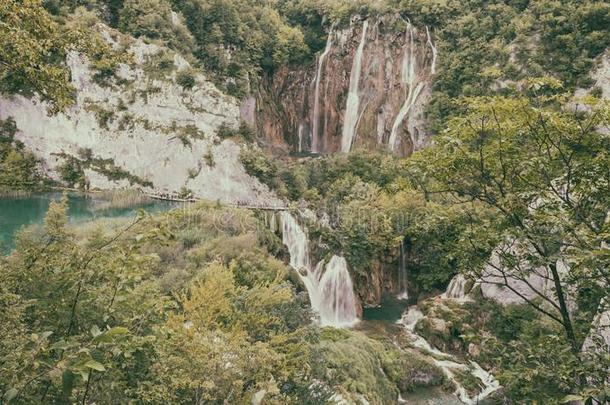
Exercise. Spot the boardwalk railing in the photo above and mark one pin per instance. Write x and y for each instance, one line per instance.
(239, 204)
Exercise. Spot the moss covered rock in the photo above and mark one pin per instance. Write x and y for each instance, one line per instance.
(374, 369)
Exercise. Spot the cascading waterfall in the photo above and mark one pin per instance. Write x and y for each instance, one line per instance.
(338, 307)
(330, 287)
(300, 137)
(434, 52)
(456, 288)
(449, 363)
(353, 97)
(403, 276)
(315, 132)
(295, 239)
(408, 77)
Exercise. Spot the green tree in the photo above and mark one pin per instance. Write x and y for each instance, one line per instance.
(179, 307)
(19, 169)
(154, 19)
(31, 44)
(543, 172)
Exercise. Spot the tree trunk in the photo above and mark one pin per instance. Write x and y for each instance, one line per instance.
(563, 307)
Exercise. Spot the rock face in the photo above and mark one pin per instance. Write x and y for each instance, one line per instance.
(601, 74)
(382, 277)
(367, 89)
(600, 329)
(146, 124)
(509, 281)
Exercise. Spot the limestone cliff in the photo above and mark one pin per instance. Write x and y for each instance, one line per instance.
(144, 122)
(368, 89)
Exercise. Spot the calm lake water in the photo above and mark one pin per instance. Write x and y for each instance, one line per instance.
(390, 310)
(16, 212)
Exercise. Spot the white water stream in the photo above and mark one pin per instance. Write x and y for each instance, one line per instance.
(332, 297)
(434, 52)
(315, 133)
(330, 287)
(403, 276)
(457, 288)
(300, 137)
(409, 75)
(353, 96)
(449, 364)
(338, 302)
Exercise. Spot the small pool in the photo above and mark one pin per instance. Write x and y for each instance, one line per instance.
(390, 310)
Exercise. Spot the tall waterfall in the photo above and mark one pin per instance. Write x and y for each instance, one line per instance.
(315, 132)
(403, 276)
(330, 287)
(353, 97)
(434, 52)
(409, 77)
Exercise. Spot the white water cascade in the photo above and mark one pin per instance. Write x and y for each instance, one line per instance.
(409, 75)
(300, 137)
(315, 132)
(456, 288)
(403, 276)
(330, 287)
(338, 307)
(353, 97)
(434, 52)
(449, 363)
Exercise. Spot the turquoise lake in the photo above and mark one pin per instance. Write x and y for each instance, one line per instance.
(17, 212)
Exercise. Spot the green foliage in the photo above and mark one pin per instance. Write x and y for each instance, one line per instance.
(372, 207)
(209, 158)
(81, 321)
(71, 173)
(257, 164)
(151, 18)
(236, 40)
(375, 369)
(19, 168)
(487, 47)
(226, 318)
(31, 44)
(538, 166)
(186, 79)
(72, 170)
(105, 325)
(244, 132)
(539, 368)
(33, 50)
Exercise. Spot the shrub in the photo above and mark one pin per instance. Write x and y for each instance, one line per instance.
(244, 131)
(186, 79)
(72, 173)
(105, 70)
(209, 158)
(258, 165)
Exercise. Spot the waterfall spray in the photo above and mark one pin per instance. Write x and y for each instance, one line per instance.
(338, 307)
(353, 97)
(330, 287)
(456, 288)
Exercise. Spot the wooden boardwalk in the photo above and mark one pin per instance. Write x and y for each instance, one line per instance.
(246, 206)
